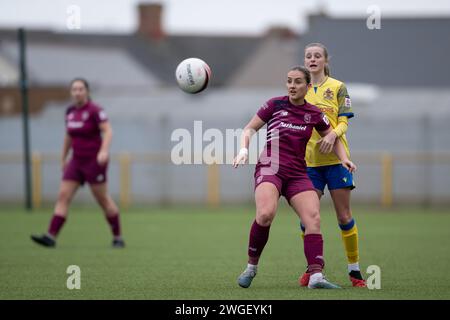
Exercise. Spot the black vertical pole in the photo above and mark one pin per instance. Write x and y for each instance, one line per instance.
(26, 138)
(426, 146)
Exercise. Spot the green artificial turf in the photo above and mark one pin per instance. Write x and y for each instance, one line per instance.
(198, 253)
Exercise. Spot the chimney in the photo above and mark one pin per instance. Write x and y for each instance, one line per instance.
(150, 20)
(281, 32)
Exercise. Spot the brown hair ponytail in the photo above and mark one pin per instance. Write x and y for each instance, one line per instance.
(304, 71)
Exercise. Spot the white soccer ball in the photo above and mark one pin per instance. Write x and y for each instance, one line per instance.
(193, 75)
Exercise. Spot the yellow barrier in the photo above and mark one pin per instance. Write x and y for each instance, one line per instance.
(386, 182)
(213, 198)
(213, 185)
(36, 173)
(125, 180)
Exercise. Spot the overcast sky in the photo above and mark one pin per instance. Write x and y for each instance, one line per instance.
(204, 16)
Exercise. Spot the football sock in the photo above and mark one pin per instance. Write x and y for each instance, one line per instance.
(258, 239)
(113, 220)
(350, 238)
(56, 224)
(252, 267)
(353, 267)
(313, 247)
(302, 227)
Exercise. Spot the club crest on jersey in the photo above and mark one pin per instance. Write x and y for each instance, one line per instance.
(85, 115)
(70, 116)
(259, 179)
(328, 94)
(307, 117)
(284, 113)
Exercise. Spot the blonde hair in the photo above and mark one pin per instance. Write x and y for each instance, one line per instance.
(325, 53)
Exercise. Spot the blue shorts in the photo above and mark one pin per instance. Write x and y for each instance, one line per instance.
(334, 176)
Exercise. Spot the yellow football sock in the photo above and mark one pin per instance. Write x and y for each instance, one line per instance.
(350, 239)
(302, 229)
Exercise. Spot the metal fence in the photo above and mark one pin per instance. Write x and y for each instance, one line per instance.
(147, 178)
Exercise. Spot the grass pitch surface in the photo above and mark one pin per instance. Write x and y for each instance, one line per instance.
(198, 253)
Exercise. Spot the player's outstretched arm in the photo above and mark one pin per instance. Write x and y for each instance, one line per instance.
(250, 129)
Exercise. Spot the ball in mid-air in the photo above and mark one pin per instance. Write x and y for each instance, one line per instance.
(193, 75)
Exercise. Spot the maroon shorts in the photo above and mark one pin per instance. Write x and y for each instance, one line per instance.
(85, 170)
(288, 186)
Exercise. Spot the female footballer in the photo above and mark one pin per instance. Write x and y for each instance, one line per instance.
(88, 134)
(281, 170)
(324, 168)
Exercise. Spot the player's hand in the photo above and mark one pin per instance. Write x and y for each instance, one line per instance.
(350, 166)
(326, 143)
(241, 158)
(102, 157)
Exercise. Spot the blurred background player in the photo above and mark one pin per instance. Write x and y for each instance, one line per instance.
(89, 135)
(324, 167)
(281, 170)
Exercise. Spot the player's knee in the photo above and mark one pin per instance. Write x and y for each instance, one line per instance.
(111, 208)
(61, 213)
(64, 196)
(265, 215)
(312, 224)
(264, 220)
(107, 204)
(344, 216)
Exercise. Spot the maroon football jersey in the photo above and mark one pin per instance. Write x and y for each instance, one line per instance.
(82, 125)
(289, 128)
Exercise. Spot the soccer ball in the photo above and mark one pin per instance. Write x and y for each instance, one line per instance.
(193, 75)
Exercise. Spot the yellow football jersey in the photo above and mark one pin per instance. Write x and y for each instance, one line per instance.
(332, 98)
